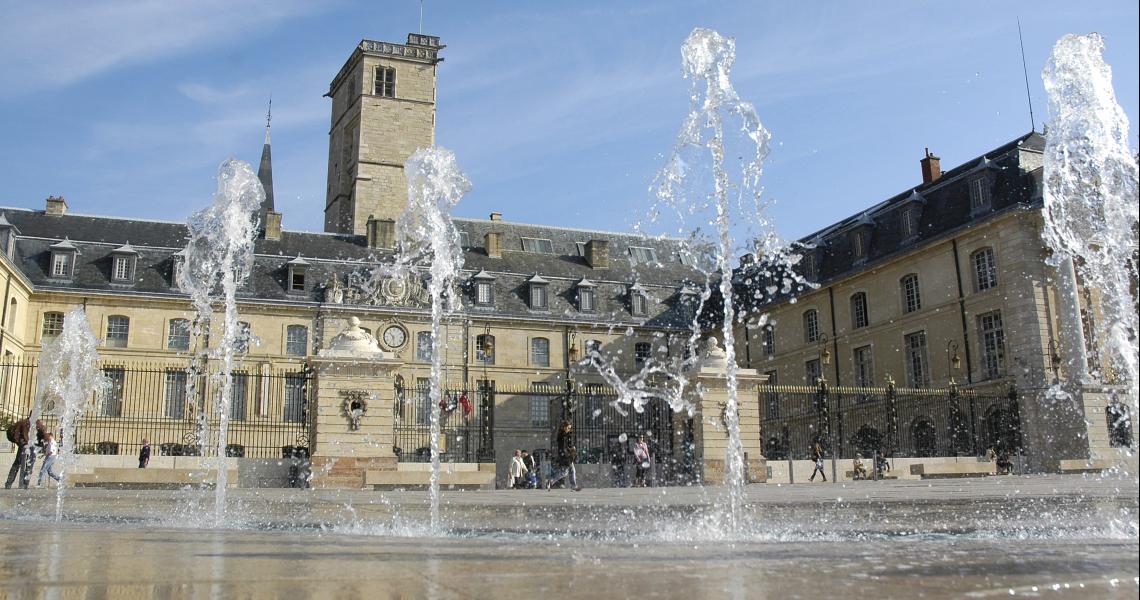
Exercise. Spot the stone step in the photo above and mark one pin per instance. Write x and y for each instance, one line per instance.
(410, 480)
(953, 469)
(132, 478)
(1084, 465)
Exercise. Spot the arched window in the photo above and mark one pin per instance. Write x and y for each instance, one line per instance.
(1119, 425)
(859, 310)
(811, 326)
(297, 340)
(911, 297)
(118, 330)
(178, 334)
(540, 352)
(985, 269)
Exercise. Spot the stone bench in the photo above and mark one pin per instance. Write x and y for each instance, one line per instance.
(870, 477)
(953, 469)
(132, 478)
(1084, 465)
(414, 480)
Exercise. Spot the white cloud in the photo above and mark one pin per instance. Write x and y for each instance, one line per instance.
(50, 45)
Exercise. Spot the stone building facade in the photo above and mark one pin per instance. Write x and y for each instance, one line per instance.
(948, 281)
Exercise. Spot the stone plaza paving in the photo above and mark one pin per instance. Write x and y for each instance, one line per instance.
(1036, 536)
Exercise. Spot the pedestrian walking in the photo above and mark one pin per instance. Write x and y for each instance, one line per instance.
(818, 451)
(644, 461)
(567, 453)
(531, 476)
(517, 471)
(51, 452)
(144, 454)
(20, 434)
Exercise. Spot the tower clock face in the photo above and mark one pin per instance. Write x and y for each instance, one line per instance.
(395, 336)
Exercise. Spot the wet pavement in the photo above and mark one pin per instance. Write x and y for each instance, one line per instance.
(1034, 536)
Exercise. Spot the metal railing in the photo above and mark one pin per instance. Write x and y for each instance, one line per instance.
(467, 419)
(267, 415)
(890, 421)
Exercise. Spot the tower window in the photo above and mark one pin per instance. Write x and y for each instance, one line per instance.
(385, 82)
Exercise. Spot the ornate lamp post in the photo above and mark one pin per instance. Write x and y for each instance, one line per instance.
(824, 355)
(953, 361)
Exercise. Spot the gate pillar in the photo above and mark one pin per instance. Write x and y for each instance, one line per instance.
(711, 437)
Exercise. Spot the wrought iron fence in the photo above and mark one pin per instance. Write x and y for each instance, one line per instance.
(267, 415)
(467, 420)
(899, 422)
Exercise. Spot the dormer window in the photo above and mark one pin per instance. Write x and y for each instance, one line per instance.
(638, 301)
(63, 257)
(979, 193)
(537, 245)
(587, 296)
(385, 85)
(123, 262)
(298, 267)
(642, 256)
(538, 292)
(177, 263)
(859, 244)
(8, 234)
(484, 288)
(909, 214)
(809, 266)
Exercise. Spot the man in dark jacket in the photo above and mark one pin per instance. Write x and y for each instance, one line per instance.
(21, 431)
(566, 455)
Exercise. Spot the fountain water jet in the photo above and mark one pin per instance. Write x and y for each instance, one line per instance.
(426, 235)
(1091, 206)
(69, 374)
(218, 258)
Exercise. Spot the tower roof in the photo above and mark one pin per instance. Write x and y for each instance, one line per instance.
(265, 171)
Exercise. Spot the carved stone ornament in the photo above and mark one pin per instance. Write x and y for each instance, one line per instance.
(353, 342)
(405, 290)
(714, 356)
(354, 407)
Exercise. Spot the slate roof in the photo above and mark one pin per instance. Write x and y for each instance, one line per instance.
(945, 207)
(157, 243)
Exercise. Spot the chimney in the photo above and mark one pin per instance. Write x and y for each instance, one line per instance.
(493, 243)
(931, 168)
(747, 260)
(272, 225)
(496, 216)
(56, 205)
(598, 254)
(381, 233)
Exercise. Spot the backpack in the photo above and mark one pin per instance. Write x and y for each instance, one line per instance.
(11, 432)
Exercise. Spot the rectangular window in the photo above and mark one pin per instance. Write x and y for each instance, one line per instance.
(908, 222)
(297, 340)
(296, 281)
(423, 401)
(175, 393)
(768, 340)
(912, 300)
(61, 264)
(385, 85)
(483, 293)
(244, 338)
(423, 346)
(642, 256)
(641, 353)
(240, 393)
(539, 409)
(112, 405)
(122, 270)
(813, 371)
(485, 349)
(979, 194)
(639, 304)
(53, 324)
(294, 397)
(864, 367)
(859, 310)
(985, 270)
(118, 330)
(464, 239)
(993, 344)
(581, 248)
(811, 326)
(537, 245)
(537, 296)
(586, 299)
(917, 366)
(859, 244)
(178, 334)
(540, 352)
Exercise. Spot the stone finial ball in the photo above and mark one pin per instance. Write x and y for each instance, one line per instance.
(353, 322)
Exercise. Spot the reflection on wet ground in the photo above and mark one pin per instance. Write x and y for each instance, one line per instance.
(1031, 536)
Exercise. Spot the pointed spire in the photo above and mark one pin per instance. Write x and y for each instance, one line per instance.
(265, 170)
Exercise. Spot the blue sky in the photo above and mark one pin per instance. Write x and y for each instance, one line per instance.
(559, 112)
